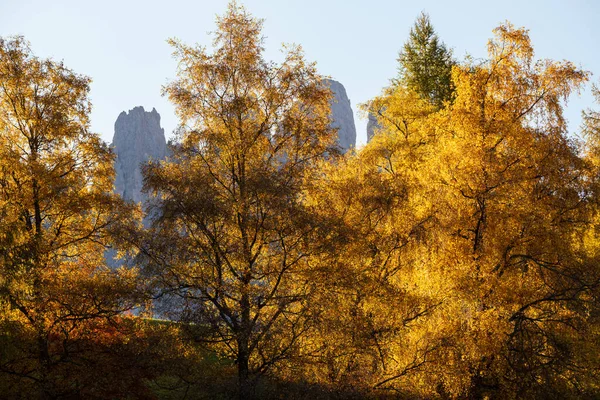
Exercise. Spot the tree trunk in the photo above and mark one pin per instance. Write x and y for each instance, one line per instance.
(244, 350)
(243, 375)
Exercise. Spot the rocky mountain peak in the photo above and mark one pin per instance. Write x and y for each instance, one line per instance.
(138, 137)
(342, 116)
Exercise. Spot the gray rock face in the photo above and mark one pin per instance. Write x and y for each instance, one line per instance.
(342, 116)
(372, 127)
(138, 138)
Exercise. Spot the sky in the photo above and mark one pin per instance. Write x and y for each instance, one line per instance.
(121, 44)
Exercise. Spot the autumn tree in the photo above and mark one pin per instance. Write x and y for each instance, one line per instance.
(591, 131)
(374, 291)
(231, 238)
(57, 214)
(515, 213)
(425, 64)
(478, 229)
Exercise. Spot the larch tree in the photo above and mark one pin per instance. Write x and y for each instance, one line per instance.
(231, 237)
(374, 292)
(424, 69)
(57, 215)
(514, 208)
(425, 64)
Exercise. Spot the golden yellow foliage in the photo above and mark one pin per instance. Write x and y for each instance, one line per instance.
(463, 263)
(58, 212)
(232, 238)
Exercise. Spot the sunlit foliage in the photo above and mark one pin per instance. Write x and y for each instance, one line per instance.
(487, 207)
(455, 256)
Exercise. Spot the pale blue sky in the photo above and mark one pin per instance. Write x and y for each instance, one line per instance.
(121, 44)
